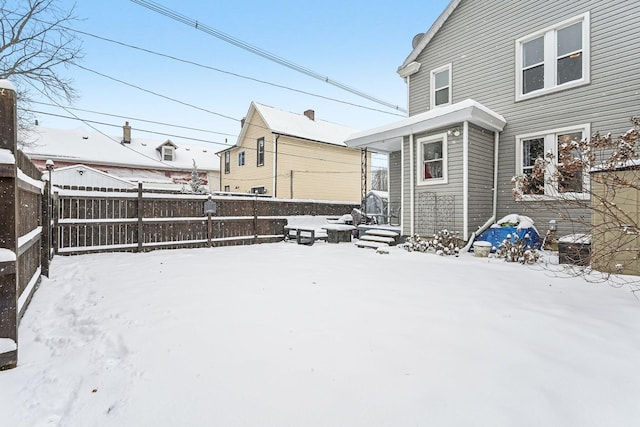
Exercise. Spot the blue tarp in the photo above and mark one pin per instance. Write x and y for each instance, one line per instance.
(496, 235)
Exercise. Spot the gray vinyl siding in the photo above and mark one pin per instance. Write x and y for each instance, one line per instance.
(481, 159)
(406, 206)
(478, 40)
(395, 183)
(442, 215)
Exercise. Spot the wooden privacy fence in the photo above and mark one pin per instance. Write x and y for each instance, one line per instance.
(24, 250)
(87, 220)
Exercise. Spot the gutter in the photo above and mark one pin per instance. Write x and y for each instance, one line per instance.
(411, 186)
(275, 165)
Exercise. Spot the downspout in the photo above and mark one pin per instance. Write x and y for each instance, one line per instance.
(492, 220)
(411, 186)
(496, 144)
(275, 165)
(402, 174)
(465, 179)
(402, 208)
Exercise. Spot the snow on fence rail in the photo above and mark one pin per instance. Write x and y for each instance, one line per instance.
(90, 220)
(24, 253)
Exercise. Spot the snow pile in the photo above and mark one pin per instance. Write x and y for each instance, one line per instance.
(291, 335)
(6, 156)
(7, 255)
(7, 345)
(520, 222)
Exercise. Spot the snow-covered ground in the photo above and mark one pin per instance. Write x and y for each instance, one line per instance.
(323, 335)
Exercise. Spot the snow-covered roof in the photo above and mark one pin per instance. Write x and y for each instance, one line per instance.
(405, 68)
(79, 145)
(387, 138)
(301, 126)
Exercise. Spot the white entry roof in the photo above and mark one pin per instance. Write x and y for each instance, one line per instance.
(388, 138)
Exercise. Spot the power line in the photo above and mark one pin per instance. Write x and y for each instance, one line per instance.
(118, 126)
(225, 144)
(98, 130)
(127, 118)
(208, 67)
(156, 93)
(261, 52)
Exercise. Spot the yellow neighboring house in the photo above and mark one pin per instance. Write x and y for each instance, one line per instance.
(292, 156)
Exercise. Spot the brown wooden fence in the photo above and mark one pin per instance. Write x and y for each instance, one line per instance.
(36, 222)
(22, 258)
(88, 220)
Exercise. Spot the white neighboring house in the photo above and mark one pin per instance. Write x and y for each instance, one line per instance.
(92, 159)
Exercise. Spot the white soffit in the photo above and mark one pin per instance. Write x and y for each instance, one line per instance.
(388, 138)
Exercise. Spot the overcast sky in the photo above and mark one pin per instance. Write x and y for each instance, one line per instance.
(358, 43)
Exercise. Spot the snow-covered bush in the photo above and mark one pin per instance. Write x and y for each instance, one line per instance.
(443, 242)
(195, 184)
(514, 249)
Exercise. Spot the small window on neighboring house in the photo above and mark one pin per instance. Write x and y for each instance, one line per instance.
(241, 158)
(227, 162)
(535, 148)
(259, 190)
(168, 153)
(227, 188)
(260, 152)
(432, 159)
(441, 86)
(553, 59)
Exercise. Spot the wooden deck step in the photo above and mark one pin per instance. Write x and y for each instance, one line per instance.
(381, 232)
(379, 239)
(371, 245)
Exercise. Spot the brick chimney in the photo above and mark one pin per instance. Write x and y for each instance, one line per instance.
(310, 114)
(126, 133)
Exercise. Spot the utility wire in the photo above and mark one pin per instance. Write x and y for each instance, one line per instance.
(127, 118)
(241, 76)
(225, 144)
(98, 130)
(260, 52)
(118, 126)
(156, 93)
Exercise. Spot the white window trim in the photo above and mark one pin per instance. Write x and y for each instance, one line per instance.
(432, 89)
(551, 143)
(168, 149)
(550, 57)
(227, 162)
(258, 164)
(445, 162)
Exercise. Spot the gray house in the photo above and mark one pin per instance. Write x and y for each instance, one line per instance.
(492, 86)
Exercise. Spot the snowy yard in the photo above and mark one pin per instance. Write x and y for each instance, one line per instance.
(327, 335)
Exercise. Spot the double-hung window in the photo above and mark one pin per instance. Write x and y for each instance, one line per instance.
(554, 58)
(168, 153)
(241, 158)
(546, 148)
(432, 160)
(227, 162)
(260, 152)
(441, 86)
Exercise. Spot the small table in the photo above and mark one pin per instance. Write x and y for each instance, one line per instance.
(337, 233)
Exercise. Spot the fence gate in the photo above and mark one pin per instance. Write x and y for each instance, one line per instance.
(434, 212)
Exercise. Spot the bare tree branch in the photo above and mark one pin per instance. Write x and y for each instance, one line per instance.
(35, 43)
(612, 198)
